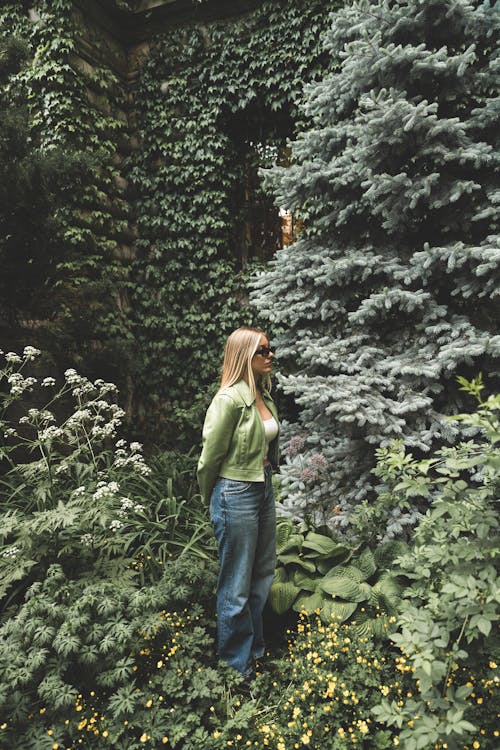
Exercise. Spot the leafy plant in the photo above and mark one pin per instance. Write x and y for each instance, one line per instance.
(105, 662)
(318, 573)
(78, 495)
(447, 626)
(320, 694)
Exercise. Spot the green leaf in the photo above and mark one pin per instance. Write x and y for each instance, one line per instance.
(344, 587)
(282, 596)
(319, 543)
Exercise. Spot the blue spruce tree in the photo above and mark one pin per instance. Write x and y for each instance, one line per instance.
(392, 289)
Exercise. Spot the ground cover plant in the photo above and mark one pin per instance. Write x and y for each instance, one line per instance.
(108, 570)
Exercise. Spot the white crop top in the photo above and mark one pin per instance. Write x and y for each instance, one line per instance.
(270, 429)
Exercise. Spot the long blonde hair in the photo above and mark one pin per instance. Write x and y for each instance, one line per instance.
(241, 345)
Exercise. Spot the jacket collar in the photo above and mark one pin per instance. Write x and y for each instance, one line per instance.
(243, 390)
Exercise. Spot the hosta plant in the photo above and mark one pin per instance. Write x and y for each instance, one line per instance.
(318, 573)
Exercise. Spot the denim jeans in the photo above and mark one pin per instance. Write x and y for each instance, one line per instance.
(243, 515)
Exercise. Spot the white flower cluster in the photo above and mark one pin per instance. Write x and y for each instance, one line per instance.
(13, 357)
(50, 433)
(79, 416)
(87, 540)
(30, 352)
(131, 458)
(47, 382)
(40, 416)
(116, 525)
(11, 552)
(127, 504)
(79, 492)
(9, 432)
(104, 489)
(18, 383)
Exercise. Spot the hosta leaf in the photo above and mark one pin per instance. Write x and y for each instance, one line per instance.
(344, 587)
(319, 543)
(386, 553)
(386, 593)
(282, 596)
(309, 602)
(365, 563)
(296, 560)
(304, 581)
(333, 609)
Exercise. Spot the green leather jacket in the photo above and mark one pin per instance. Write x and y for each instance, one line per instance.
(234, 443)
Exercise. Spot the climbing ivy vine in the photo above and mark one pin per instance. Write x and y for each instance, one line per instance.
(206, 93)
(78, 106)
(149, 282)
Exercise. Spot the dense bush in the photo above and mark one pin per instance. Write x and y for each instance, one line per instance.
(101, 662)
(449, 618)
(76, 494)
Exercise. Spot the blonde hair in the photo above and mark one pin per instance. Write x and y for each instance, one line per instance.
(240, 348)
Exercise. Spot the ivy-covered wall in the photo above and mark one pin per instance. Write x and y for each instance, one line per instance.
(210, 98)
(78, 101)
(153, 277)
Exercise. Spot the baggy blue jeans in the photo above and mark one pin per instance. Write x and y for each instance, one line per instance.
(243, 516)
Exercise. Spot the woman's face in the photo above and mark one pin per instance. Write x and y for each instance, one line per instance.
(262, 363)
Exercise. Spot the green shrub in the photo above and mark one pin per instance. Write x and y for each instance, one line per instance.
(322, 693)
(100, 663)
(449, 619)
(318, 573)
(76, 495)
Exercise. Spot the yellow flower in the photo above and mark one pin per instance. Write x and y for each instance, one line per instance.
(305, 739)
(164, 740)
(476, 744)
(144, 737)
(492, 665)
(216, 734)
(149, 703)
(159, 664)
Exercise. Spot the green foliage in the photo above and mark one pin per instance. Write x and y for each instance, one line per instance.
(62, 236)
(329, 681)
(34, 183)
(319, 574)
(449, 619)
(77, 495)
(392, 287)
(208, 96)
(101, 663)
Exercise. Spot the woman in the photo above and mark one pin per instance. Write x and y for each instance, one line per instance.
(240, 448)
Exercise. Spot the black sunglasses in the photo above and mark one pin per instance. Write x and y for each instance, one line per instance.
(265, 351)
